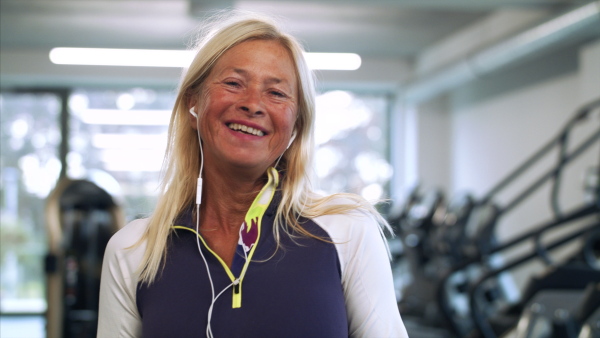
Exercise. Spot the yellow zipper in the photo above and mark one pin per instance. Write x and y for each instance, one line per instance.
(257, 210)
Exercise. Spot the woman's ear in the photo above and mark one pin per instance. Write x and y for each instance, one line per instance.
(192, 103)
(193, 118)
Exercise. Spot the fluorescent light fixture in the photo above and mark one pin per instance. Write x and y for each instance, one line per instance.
(126, 117)
(177, 58)
(121, 57)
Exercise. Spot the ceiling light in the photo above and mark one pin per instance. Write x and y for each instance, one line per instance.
(177, 58)
(120, 57)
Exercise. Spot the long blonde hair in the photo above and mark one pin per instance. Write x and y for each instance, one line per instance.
(182, 160)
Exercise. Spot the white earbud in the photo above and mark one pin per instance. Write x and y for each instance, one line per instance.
(288, 146)
(291, 139)
(199, 182)
(193, 112)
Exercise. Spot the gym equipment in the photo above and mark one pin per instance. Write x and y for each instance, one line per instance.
(570, 276)
(397, 216)
(458, 280)
(81, 217)
(483, 300)
(449, 239)
(414, 233)
(561, 302)
(589, 313)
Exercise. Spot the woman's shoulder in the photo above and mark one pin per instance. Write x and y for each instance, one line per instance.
(346, 217)
(354, 231)
(346, 205)
(128, 236)
(125, 251)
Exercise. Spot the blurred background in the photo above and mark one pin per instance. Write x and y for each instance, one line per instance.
(477, 120)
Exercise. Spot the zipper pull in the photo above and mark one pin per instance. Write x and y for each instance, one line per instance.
(236, 286)
(237, 294)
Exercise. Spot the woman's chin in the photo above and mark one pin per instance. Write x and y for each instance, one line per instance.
(250, 166)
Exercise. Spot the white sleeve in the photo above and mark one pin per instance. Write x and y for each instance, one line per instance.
(366, 275)
(118, 315)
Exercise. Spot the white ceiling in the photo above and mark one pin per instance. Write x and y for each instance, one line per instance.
(394, 37)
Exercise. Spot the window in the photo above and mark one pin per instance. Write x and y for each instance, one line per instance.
(30, 140)
(351, 138)
(117, 140)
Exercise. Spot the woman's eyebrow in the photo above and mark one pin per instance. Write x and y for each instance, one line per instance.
(269, 80)
(240, 71)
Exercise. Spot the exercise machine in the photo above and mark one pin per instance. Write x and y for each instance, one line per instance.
(81, 217)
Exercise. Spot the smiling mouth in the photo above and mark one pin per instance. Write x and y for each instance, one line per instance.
(245, 129)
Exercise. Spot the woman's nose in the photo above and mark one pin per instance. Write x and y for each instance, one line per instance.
(251, 103)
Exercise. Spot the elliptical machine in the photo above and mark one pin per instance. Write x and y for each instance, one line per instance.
(80, 219)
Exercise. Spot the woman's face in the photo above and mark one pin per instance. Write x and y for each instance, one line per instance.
(251, 106)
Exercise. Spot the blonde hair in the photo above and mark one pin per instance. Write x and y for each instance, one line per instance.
(182, 160)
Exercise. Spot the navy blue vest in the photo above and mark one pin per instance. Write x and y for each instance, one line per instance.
(292, 291)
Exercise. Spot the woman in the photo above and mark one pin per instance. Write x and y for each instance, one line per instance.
(239, 245)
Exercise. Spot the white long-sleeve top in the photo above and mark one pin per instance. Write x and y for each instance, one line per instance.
(340, 287)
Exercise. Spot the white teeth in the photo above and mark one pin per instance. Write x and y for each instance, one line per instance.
(245, 129)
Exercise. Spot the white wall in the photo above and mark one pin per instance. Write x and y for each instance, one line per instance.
(493, 135)
(471, 138)
(475, 136)
(434, 152)
(590, 71)
(420, 135)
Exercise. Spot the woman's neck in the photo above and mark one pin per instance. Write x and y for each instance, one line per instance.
(227, 196)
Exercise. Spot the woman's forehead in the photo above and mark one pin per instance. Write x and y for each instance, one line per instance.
(270, 60)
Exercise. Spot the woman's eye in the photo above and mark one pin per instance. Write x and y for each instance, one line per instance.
(232, 83)
(278, 93)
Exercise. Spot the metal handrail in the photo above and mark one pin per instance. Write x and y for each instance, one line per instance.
(538, 231)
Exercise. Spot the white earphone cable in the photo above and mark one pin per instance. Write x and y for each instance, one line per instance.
(198, 202)
(209, 333)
